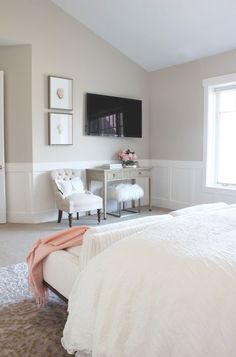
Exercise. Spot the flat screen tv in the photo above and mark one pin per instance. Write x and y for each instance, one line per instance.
(113, 116)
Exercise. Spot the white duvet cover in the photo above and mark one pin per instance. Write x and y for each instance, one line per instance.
(100, 238)
(167, 291)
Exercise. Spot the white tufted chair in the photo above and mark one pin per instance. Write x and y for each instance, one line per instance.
(75, 202)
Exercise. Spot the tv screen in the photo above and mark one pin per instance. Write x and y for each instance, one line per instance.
(113, 116)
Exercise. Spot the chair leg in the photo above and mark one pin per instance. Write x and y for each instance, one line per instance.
(139, 205)
(119, 209)
(70, 219)
(99, 215)
(77, 215)
(59, 216)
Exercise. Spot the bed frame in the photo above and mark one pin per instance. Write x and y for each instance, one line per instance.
(55, 292)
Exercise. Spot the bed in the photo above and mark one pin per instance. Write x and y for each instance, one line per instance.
(162, 287)
(61, 268)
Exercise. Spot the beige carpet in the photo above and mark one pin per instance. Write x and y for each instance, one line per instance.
(25, 329)
(17, 239)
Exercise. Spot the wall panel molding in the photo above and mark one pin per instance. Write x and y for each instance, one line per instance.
(175, 184)
(182, 185)
(29, 194)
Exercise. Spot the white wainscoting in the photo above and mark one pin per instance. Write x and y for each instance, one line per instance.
(19, 192)
(178, 184)
(29, 193)
(175, 184)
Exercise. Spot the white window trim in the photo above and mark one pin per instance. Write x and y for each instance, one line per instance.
(209, 85)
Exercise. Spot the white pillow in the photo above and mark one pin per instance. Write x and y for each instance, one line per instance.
(65, 187)
(77, 185)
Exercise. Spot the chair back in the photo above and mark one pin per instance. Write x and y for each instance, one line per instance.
(63, 174)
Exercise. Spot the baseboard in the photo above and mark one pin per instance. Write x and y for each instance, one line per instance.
(168, 204)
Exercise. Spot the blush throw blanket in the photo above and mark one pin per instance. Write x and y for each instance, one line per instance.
(41, 249)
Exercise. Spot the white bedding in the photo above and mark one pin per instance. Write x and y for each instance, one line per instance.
(167, 291)
(98, 239)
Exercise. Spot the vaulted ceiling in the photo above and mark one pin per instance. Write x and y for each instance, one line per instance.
(159, 33)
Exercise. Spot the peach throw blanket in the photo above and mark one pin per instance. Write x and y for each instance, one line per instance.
(41, 249)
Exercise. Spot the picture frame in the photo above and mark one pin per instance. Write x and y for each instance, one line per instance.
(60, 93)
(60, 129)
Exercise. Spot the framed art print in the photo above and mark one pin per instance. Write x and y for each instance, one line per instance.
(60, 93)
(60, 129)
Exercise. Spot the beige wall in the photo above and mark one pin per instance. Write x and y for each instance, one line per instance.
(15, 61)
(59, 45)
(63, 47)
(176, 126)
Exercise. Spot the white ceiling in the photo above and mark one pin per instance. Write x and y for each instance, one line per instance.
(159, 33)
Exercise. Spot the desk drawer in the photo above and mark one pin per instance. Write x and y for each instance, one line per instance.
(114, 176)
(140, 173)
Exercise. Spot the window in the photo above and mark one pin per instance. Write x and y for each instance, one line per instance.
(220, 131)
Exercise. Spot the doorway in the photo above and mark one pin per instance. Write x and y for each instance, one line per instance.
(2, 156)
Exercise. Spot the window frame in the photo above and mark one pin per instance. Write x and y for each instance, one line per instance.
(209, 138)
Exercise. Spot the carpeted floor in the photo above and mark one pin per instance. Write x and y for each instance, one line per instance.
(25, 329)
(17, 239)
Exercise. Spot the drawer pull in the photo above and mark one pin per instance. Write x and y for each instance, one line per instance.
(140, 173)
(114, 175)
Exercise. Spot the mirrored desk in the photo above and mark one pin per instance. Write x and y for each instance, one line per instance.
(109, 175)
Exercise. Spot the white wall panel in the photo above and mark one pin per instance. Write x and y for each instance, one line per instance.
(42, 192)
(29, 192)
(181, 185)
(19, 196)
(160, 182)
(175, 184)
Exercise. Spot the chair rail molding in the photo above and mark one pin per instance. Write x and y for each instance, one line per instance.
(175, 184)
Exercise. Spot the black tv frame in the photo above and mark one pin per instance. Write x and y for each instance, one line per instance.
(113, 116)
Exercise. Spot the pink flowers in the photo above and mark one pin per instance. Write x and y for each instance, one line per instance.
(127, 156)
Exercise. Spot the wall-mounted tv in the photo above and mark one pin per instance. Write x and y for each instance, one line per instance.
(113, 116)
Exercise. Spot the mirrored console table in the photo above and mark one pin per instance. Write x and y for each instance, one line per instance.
(109, 175)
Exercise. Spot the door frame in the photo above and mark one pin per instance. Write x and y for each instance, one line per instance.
(2, 154)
